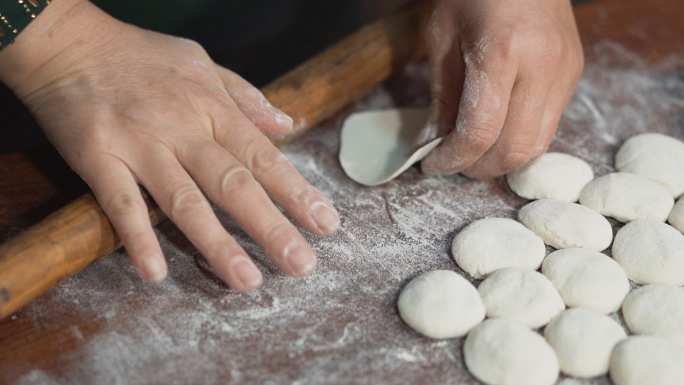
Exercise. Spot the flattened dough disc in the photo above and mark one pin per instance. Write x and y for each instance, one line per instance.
(377, 146)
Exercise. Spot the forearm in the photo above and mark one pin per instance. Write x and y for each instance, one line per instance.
(64, 26)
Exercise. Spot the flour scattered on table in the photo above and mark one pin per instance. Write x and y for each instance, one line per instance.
(341, 323)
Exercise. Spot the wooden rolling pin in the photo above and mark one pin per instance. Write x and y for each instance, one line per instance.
(68, 240)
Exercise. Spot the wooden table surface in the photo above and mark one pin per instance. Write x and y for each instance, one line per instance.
(106, 326)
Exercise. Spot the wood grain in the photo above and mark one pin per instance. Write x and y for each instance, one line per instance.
(324, 84)
(56, 337)
(71, 238)
(57, 248)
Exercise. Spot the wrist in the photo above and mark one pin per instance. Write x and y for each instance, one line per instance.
(64, 28)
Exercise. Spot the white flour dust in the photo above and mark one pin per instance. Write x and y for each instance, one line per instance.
(339, 325)
(477, 90)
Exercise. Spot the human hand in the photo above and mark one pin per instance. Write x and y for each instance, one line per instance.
(502, 73)
(125, 106)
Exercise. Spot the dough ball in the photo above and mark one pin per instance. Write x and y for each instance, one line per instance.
(654, 156)
(648, 360)
(650, 252)
(551, 176)
(492, 243)
(441, 304)
(563, 224)
(503, 352)
(587, 278)
(627, 197)
(522, 295)
(676, 218)
(583, 340)
(656, 310)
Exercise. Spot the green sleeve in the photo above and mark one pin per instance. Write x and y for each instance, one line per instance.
(15, 15)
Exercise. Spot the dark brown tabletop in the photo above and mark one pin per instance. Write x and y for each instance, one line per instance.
(339, 325)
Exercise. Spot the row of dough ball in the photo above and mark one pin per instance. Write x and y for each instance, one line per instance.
(654, 156)
(495, 247)
(560, 179)
(507, 254)
(515, 297)
(503, 352)
(647, 251)
(651, 175)
(580, 342)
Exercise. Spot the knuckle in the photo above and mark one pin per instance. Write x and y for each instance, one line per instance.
(194, 46)
(251, 143)
(517, 156)
(216, 102)
(267, 158)
(306, 195)
(508, 48)
(96, 145)
(234, 178)
(132, 237)
(553, 49)
(122, 205)
(523, 45)
(226, 246)
(278, 231)
(482, 138)
(184, 199)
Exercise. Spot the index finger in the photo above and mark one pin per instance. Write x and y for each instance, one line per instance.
(279, 178)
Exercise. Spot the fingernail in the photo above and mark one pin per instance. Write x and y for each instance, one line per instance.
(301, 260)
(154, 269)
(325, 216)
(246, 272)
